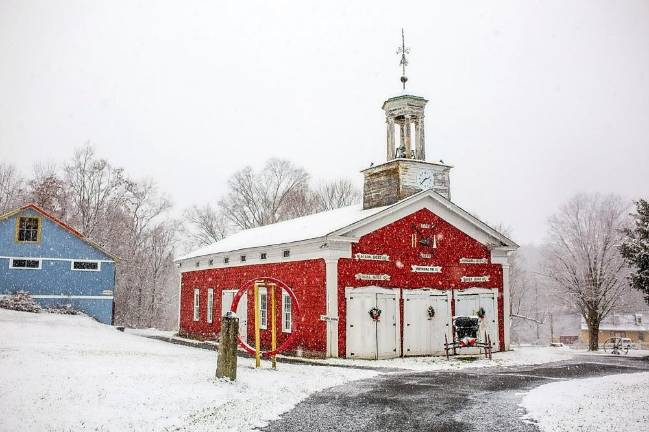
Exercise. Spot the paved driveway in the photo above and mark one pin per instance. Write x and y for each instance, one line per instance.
(470, 400)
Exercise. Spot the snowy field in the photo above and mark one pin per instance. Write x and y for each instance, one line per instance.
(602, 404)
(516, 357)
(62, 373)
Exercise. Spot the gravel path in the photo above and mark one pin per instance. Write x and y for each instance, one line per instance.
(484, 399)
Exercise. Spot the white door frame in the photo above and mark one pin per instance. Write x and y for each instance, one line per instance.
(478, 290)
(435, 292)
(377, 290)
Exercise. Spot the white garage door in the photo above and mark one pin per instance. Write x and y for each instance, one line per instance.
(365, 337)
(242, 311)
(468, 303)
(422, 334)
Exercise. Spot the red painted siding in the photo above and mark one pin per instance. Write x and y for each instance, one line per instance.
(395, 240)
(306, 278)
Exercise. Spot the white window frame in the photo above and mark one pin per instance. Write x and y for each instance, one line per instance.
(90, 270)
(210, 305)
(263, 308)
(40, 264)
(287, 315)
(197, 304)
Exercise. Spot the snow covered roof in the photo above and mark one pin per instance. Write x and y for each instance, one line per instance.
(303, 228)
(327, 223)
(622, 322)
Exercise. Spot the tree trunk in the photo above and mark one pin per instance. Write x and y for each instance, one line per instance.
(593, 337)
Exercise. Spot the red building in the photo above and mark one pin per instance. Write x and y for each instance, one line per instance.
(408, 251)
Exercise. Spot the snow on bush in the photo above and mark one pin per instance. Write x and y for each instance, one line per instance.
(21, 301)
(63, 309)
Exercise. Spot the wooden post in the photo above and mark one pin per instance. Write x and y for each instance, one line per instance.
(226, 363)
(273, 329)
(257, 328)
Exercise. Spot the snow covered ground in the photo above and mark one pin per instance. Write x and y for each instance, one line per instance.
(60, 372)
(616, 402)
(517, 357)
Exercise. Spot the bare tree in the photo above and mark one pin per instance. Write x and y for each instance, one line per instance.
(263, 198)
(95, 188)
(583, 257)
(48, 190)
(207, 225)
(335, 194)
(11, 187)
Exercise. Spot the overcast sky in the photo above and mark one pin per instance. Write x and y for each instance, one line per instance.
(530, 101)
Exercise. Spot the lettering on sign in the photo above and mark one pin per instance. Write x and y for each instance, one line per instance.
(363, 276)
(425, 255)
(424, 226)
(473, 261)
(372, 257)
(475, 278)
(328, 318)
(426, 269)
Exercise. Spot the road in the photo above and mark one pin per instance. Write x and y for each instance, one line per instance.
(485, 399)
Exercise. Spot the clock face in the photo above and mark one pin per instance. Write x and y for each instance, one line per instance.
(425, 179)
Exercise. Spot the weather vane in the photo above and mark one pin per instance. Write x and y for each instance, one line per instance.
(404, 61)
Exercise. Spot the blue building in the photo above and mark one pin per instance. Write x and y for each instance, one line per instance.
(57, 265)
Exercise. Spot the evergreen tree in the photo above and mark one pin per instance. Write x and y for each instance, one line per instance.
(635, 248)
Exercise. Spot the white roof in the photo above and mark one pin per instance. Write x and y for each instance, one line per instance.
(622, 322)
(303, 228)
(328, 222)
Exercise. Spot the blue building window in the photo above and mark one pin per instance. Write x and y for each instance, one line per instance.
(22, 263)
(86, 265)
(28, 230)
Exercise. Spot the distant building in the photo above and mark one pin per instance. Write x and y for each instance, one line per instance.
(57, 265)
(634, 326)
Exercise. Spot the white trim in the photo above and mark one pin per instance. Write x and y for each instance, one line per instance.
(55, 259)
(312, 248)
(494, 291)
(372, 289)
(441, 207)
(331, 292)
(263, 323)
(506, 307)
(85, 270)
(210, 305)
(197, 304)
(61, 296)
(307, 250)
(11, 264)
(285, 328)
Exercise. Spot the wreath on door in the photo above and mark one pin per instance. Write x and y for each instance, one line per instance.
(431, 312)
(481, 313)
(375, 313)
